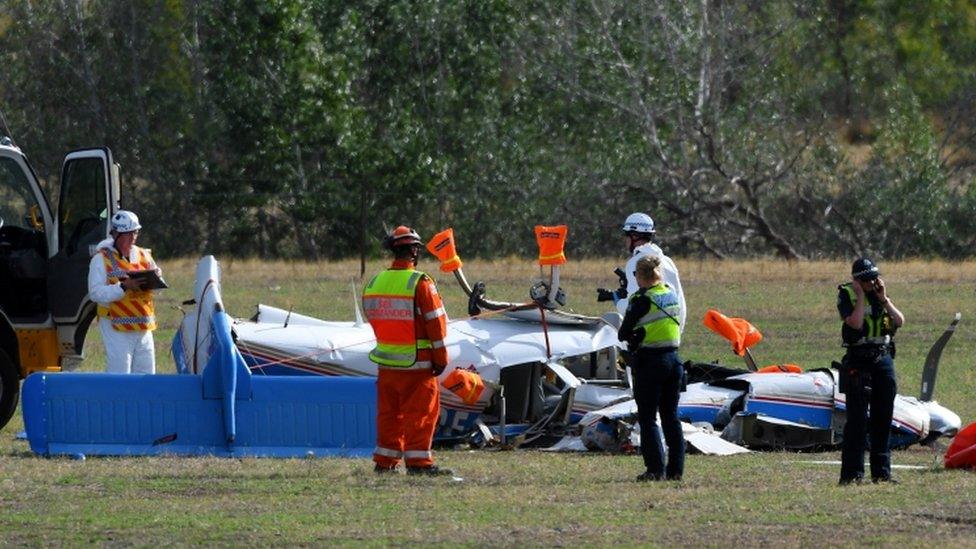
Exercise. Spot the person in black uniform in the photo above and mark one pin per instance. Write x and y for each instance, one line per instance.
(867, 373)
(653, 333)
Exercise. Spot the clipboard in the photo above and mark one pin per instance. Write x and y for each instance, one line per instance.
(151, 279)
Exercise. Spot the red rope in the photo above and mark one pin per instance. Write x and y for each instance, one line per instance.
(316, 353)
(545, 330)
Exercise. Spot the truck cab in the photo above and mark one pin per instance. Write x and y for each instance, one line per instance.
(44, 255)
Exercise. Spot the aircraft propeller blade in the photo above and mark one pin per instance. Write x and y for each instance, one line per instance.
(931, 367)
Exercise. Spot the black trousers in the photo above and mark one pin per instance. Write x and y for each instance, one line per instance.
(657, 385)
(881, 399)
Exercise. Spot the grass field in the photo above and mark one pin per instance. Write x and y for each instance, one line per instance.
(528, 497)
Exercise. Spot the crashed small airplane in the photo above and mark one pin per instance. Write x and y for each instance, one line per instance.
(554, 377)
(544, 368)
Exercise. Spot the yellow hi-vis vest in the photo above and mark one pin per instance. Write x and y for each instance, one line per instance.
(388, 301)
(660, 329)
(877, 322)
(135, 311)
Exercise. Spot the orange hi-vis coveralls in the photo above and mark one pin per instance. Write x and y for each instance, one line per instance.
(410, 324)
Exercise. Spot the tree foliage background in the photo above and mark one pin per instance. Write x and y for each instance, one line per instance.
(303, 128)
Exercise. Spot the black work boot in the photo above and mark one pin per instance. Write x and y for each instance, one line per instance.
(886, 478)
(648, 476)
(430, 470)
(849, 481)
(380, 470)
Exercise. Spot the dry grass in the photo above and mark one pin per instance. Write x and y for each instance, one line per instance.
(530, 498)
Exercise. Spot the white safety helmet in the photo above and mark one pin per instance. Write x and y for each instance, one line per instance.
(638, 222)
(125, 221)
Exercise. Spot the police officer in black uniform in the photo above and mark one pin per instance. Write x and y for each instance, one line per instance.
(653, 333)
(867, 373)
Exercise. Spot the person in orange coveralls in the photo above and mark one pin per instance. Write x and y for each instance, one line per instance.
(410, 323)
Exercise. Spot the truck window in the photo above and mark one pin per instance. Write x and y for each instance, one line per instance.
(82, 208)
(18, 206)
(23, 247)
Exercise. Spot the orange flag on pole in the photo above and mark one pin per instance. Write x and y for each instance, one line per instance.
(551, 241)
(738, 331)
(443, 248)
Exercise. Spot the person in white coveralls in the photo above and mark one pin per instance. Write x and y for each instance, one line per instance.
(126, 310)
(639, 231)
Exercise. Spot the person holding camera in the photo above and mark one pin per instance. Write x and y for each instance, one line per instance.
(867, 373)
(653, 334)
(638, 228)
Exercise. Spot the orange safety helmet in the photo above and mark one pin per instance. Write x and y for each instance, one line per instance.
(401, 236)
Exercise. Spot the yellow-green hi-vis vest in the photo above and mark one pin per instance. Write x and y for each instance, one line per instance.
(660, 329)
(876, 326)
(388, 301)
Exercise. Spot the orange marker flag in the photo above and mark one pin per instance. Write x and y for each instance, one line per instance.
(442, 246)
(738, 331)
(551, 241)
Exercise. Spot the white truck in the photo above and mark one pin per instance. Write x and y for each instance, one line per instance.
(44, 254)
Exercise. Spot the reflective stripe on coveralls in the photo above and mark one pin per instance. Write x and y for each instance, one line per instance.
(395, 454)
(135, 311)
(388, 301)
(661, 329)
(407, 407)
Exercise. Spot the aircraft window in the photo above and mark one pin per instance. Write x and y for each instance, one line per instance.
(18, 206)
(82, 207)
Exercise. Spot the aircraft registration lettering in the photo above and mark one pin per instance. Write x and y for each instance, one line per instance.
(455, 422)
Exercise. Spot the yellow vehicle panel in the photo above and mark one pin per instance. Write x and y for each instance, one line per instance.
(38, 351)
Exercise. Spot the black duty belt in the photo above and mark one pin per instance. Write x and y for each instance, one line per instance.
(868, 351)
(653, 351)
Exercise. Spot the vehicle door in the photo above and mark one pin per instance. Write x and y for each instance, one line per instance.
(88, 198)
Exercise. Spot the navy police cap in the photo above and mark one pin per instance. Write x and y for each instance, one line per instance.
(864, 269)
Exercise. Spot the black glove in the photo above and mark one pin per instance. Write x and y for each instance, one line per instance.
(603, 294)
(621, 293)
(436, 370)
(635, 339)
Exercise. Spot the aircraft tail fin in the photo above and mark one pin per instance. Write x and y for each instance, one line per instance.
(931, 367)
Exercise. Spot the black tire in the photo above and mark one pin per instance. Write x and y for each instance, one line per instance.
(9, 388)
